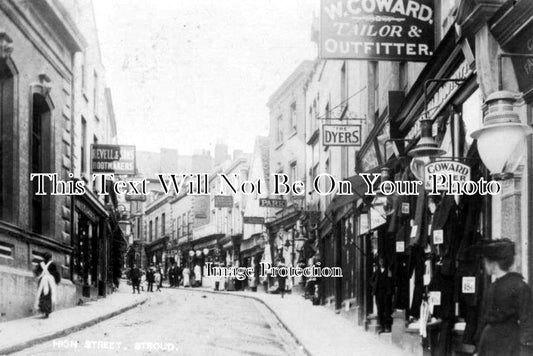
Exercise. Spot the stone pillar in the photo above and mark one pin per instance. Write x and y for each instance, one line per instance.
(511, 215)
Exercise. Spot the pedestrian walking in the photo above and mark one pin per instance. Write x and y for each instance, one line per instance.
(197, 275)
(281, 280)
(143, 281)
(135, 276)
(172, 275)
(150, 279)
(382, 288)
(157, 279)
(186, 277)
(506, 323)
(161, 271)
(179, 277)
(48, 278)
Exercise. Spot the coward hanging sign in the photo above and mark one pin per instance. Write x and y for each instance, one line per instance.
(388, 30)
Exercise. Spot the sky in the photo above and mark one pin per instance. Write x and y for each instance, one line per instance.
(187, 74)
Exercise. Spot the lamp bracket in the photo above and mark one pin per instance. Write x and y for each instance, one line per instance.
(394, 140)
(439, 80)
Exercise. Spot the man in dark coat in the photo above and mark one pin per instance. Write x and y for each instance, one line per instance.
(382, 288)
(150, 278)
(49, 277)
(135, 276)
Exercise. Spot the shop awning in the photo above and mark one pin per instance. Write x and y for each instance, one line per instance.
(209, 241)
(359, 188)
(159, 244)
(253, 245)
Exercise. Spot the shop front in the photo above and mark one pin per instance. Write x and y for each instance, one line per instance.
(89, 255)
(427, 240)
(156, 253)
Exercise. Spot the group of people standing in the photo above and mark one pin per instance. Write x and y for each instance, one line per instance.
(177, 276)
(153, 276)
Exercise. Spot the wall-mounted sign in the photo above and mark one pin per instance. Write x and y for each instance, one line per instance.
(135, 197)
(341, 135)
(253, 220)
(223, 201)
(392, 30)
(117, 159)
(272, 203)
(436, 173)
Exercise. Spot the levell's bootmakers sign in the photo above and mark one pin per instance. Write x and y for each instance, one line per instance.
(389, 30)
(117, 159)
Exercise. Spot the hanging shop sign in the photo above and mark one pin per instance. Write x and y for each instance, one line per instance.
(272, 203)
(253, 220)
(369, 160)
(117, 159)
(341, 135)
(223, 201)
(364, 224)
(377, 216)
(437, 175)
(393, 30)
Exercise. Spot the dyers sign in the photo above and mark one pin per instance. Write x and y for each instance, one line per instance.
(389, 30)
(458, 172)
(341, 135)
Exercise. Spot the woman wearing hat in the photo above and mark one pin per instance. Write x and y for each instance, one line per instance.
(506, 322)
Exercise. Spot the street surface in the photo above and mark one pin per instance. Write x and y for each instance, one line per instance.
(181, 322)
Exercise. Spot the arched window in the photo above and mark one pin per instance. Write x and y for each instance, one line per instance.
(7, 117)
(40, 161)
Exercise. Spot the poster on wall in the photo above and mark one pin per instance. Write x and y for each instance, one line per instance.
(393, 30)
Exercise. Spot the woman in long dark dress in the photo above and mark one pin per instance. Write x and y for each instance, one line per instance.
(48, 278)
(506, 322)
(281, 279)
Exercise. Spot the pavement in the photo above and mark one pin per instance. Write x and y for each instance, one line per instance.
(19, 334)
(193, 321)
(319, 330)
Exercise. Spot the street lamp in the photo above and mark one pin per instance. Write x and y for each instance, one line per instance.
(426, 146)
(502, 129)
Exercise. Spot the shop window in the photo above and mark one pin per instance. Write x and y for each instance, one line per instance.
(40, 161)
(6, 250)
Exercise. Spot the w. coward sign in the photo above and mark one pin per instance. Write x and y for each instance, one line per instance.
(445, 170)
(389, 30)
